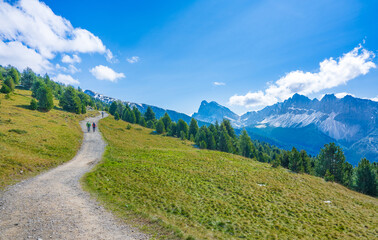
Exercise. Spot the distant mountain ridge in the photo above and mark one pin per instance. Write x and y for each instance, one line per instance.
(159, 112)
(298, 121)
(349, 121)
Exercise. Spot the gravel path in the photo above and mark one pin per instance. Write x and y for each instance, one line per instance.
(54, 206)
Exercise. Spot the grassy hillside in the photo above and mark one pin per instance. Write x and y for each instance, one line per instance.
(33, 141)
(163, 181)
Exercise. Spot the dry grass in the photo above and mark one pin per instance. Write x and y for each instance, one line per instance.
(33, 141)
(183, 192)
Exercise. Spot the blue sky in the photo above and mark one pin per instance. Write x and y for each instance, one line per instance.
(243, 54)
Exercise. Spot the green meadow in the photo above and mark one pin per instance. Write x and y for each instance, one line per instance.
(172, 190)
(34, 141)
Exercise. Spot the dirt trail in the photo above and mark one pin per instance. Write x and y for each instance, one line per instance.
(54, 206)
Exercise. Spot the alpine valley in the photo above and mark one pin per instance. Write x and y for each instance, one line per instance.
(297, 122)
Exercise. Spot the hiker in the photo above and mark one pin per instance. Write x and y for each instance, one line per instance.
(94, 126)
(102, 113)
(89, 126)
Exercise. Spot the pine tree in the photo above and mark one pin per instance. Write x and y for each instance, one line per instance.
(172, 131)
(137, 114)
(225, 144)
(331, 158)
(149, 115)
(70, 101)
(28, 77)
(295, 161)
(366, 181)
(14, 75)
(113, 108)
(9, 83)
(45, 98)
(167, 121)
(182, 126)
(160, 128)
(36, 85)
(193, 127)
(142, 121)
(245, 144)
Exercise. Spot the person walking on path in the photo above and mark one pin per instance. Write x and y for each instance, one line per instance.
(89, 126)
(94, 126)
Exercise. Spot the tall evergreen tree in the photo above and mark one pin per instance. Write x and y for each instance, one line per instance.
(28, 77)
(15, 75)
(193, 127)
(149, 115)
(295, 161)
(245, 144)
(331, 158)
(182, 126)
(160, 127)
(166, 120)
(225, 144)
(70, 101)
(366, 181)
(45, 98)
(113, 108)
(137, 114)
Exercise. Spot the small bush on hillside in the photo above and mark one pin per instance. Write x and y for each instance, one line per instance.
(18, 131)
(329, 177)
(150, 124)
(128, 127)
(276, 163)
(7, 96)
(160, 127)
(116, 116)
(5, 89)
(33, 104)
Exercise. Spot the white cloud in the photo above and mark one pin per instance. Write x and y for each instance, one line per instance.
(35, 26)
(219, 83)
(66, 79)
(331, 73)
(105, 73)
(71, 68)
(133, 59)
(20, 56)
(74, 59)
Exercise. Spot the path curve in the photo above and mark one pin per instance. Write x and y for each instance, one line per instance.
(54, 206)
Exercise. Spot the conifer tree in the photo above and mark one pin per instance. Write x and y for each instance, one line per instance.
(142, 121)
(28, 77)
(14, 75)
(366, 181)
(182, 126)
(113, 108)
(149, 115)
(70, 101)
(166, 120)
(45, 98)
(331, 158)
(160, 128)
(137, 114)
(225, 144)
(245, 144)
(193, 127)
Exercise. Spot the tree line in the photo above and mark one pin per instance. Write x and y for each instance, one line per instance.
(329, 164)
(44, 90)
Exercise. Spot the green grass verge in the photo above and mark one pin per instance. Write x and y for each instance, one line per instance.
(177, 191)
(33, 141)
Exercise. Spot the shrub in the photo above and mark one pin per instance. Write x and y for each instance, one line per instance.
(18, 131)
(5, 89)
(33, 104)
(116, 116)
(128, 127)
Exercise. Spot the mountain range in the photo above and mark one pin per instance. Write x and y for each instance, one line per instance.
(296, 122)
(309, 124)
(159, 112)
